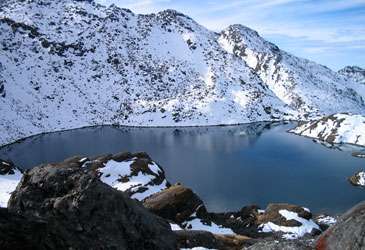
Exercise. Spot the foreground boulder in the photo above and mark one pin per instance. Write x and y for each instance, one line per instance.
(21, 232)
(176, 203)
(86, 213)
(347, 233)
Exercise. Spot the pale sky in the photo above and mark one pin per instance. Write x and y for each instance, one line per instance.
(330, 32)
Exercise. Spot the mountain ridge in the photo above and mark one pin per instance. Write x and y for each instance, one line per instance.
(72, 64)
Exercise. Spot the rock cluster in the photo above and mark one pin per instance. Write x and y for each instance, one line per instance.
(68, 205)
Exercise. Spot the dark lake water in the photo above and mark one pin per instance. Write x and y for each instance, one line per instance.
(228, 167)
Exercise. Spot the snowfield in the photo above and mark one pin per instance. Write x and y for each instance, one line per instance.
(8, 184)
(338, 128)
(69, 64)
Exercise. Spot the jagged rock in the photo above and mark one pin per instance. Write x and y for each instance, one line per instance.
(347, 233)
(355, 73)
(358, 179)
(243, 222)
(272, 214)
(7, 167)
(287, 221)
(197, 238)
(324, 221)
(176, 203)
(85, 213)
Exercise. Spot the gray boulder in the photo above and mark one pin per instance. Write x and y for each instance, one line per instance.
(347, 233)
(85, 213)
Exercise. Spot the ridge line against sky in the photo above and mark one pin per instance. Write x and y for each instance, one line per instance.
(330, 32)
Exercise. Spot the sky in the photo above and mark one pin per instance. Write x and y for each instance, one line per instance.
(330, 32)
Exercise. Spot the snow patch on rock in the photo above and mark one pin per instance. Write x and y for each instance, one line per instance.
(306, 227)
(140, 185)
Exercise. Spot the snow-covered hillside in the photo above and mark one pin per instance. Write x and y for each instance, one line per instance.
(67, 64)
(354, 72)
(306, 86)
(338, 128)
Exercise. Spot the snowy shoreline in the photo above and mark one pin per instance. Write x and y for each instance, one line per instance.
(19, 140)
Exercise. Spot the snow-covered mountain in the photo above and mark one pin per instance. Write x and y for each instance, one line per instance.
(354, 72)
(304, 85)
(337, 128)
(67, 64)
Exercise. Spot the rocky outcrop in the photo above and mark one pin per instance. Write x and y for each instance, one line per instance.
(85, 213)
(355, 73)
(287, 221)
(358, 179)
(337, 128)
(347, 233)
(181, 206)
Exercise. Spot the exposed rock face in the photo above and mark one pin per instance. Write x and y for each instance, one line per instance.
(272, 214)
(161, 69)
(354, 72)
(287, 221)
(358, 179)
(85, 213)
(23, 232)
(7, 168)
(176, 203)
(337, 128)
(347, 233)
(300, 83)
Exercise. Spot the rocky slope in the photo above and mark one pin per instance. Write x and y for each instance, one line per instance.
(304, 85)
(67, 64)
(354, 72)
(338, 128)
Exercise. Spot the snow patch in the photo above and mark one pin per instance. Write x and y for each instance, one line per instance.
(290, 232)
(8, 184)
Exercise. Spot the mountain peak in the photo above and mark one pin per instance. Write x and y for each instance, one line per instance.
(248, 38)
(355, 73)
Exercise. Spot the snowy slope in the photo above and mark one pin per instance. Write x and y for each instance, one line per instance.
(355, 73)
(338, 128)
(67, 64)
(311, 88)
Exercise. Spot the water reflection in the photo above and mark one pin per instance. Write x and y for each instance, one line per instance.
(228, 166)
